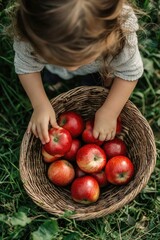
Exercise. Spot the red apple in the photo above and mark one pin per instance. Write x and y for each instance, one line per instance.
(119, 170)
(114, 148)
(49, 158)
(61, 172)
(85, 190)
(71, 121)
(101, 178)
(71, 154)
(79, 172)
(87, 134)
(60, 141)
(119, 125)
(91, 158)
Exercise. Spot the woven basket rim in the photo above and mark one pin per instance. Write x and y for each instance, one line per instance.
(81, 212)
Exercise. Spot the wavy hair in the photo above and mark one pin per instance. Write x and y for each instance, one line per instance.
(70, 32)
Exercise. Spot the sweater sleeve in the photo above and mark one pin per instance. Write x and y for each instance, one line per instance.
(128, 63)
(25, 59)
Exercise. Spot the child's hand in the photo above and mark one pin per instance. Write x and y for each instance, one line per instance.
(104, 125)
(42, 116)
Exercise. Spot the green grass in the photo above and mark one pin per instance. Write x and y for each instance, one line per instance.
(20, 218)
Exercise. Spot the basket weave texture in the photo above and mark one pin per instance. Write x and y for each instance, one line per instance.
(137, 135)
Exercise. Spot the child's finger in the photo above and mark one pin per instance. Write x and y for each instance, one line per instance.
(54, 123)
(43, 133)
(34, 130)
(103, 136)
(113, 133)
(95, 134)
(108, 137)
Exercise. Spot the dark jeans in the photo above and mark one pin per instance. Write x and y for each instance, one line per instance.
(93, 79)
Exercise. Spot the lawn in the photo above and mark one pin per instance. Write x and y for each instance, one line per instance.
(20, 218)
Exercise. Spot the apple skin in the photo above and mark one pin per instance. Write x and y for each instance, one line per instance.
(59, 143)
(71, 154)
(87, 135)
(73, 122)
(49, 158)
(119, 170)
(91, 158)
(114, 148)
(85, 190)
(61, 172)
(119, 125)
(79, 172)
(101, 178)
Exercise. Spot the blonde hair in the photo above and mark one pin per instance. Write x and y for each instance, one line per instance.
(68, 32)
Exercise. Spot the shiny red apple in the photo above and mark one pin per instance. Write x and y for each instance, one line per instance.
(71, 154)
(91, 158)
(114, 148)
(119, 170)
(85, 190)
(49, 158)
(61, 173)
(60, 141)
(101, 178)
(72, 121)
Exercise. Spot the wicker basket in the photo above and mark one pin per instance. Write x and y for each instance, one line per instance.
(137, 135)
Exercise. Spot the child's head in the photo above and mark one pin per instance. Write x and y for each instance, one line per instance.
(70, 32)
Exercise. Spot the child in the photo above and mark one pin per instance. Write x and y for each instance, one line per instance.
(77, 37)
